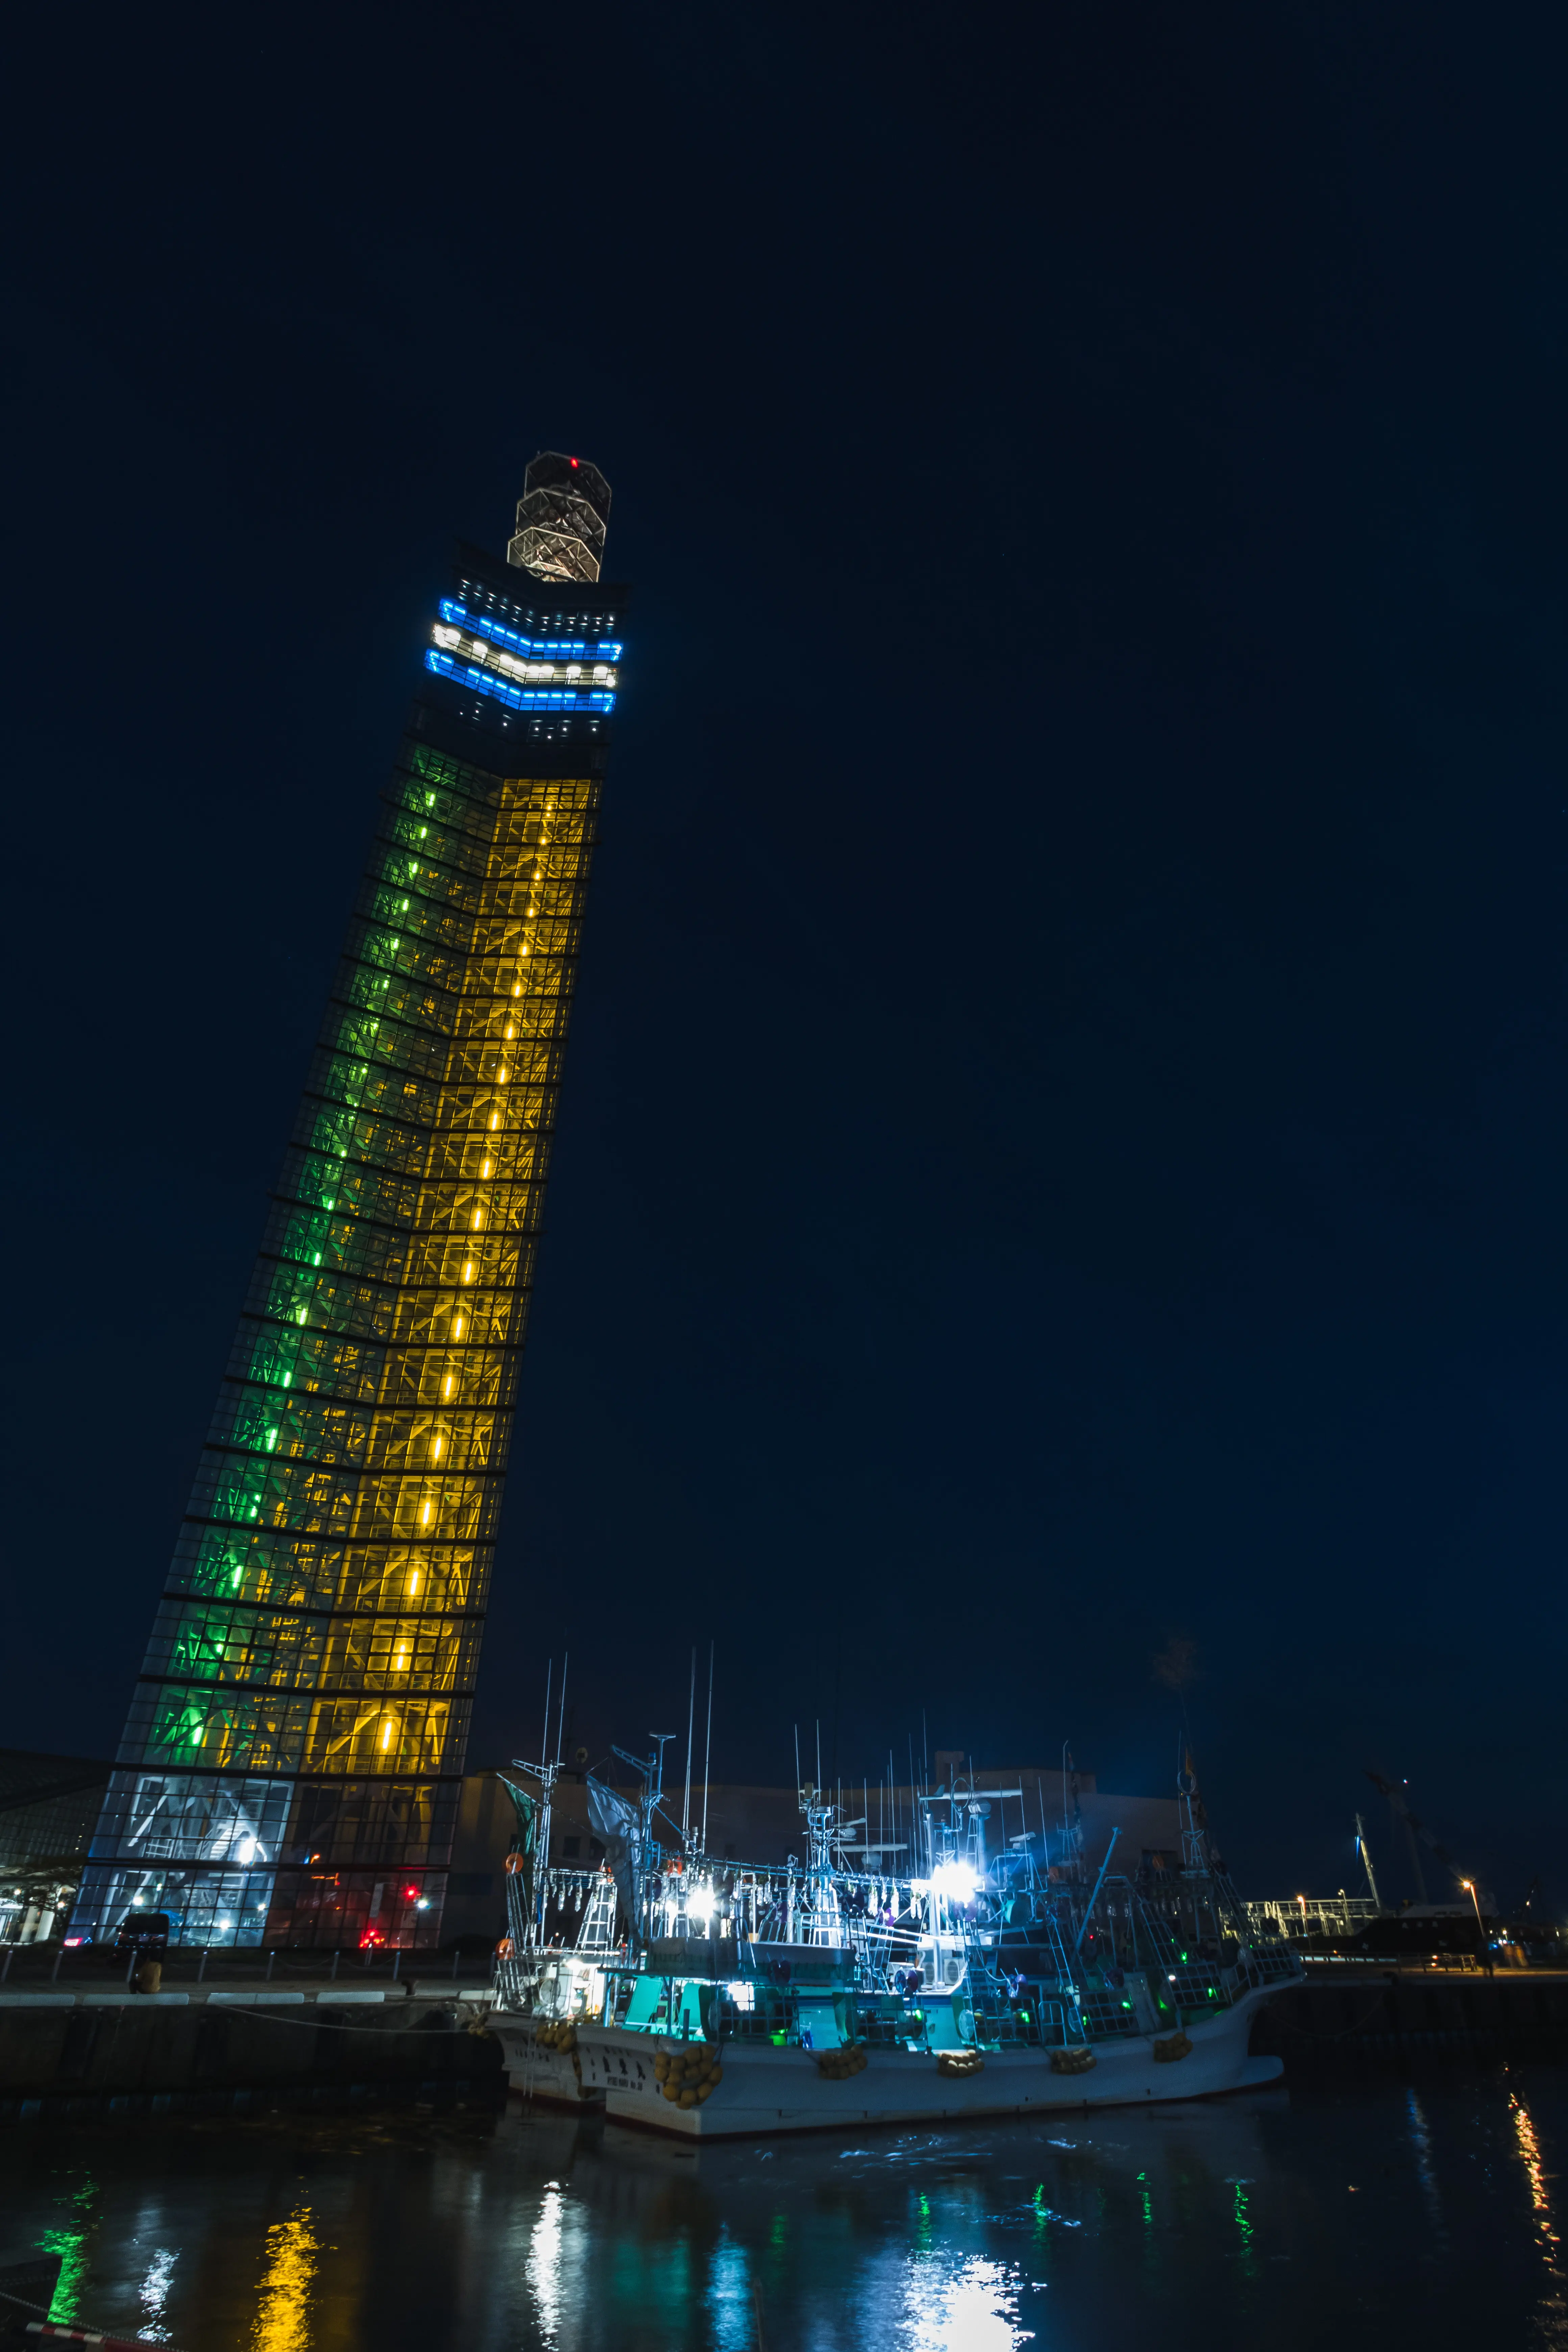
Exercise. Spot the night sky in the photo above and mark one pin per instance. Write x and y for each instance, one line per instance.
(1063, 1144)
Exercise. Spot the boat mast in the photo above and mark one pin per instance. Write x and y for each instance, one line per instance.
(1365, 1852)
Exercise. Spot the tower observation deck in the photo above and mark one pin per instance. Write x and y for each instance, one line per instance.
(291, 1762)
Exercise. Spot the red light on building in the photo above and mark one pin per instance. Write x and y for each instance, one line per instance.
(571, 461)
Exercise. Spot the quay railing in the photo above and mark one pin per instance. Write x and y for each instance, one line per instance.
(43, 1967)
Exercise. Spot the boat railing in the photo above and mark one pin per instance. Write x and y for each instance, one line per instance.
(1257, 1968)
(1194, 1989)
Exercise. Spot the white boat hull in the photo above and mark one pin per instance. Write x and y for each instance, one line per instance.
(533, 2070)
(766, 2090)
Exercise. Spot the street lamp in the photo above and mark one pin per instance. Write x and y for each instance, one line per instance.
(1469, 1886)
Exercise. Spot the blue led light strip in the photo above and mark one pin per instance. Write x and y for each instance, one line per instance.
(607, 650)
(517, 697)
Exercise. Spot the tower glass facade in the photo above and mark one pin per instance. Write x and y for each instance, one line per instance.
(292, 1761)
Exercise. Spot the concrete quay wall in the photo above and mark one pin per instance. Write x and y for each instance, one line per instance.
(71, 2055)
(1379, 2015)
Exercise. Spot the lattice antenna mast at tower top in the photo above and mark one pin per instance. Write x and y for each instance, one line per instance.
(562, 518)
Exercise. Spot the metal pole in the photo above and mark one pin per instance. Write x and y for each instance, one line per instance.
(397, 1963)
(708, 1748)
(200, 1971)
(336, 1956)
(55, 1971)
(1105, 1865)
(690, 1728)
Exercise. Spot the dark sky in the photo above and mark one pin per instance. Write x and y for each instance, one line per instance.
(1063, 1144)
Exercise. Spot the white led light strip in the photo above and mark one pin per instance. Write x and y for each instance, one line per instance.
(464, 647)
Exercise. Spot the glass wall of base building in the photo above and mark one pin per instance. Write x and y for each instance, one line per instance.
(292, 1764)
(370, 1873)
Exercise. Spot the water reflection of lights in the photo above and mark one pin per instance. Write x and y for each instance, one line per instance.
(545, 2264)
(965, 2305)
(1425, 2171)
(732, 2311)
(155, 2295)
(283, 2312)
(70, 2243)
(1546, 2235)
(1244, 2230)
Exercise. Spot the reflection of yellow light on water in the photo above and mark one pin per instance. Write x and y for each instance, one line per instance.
(283, 2312)
(1529, 2148)
(1546, 2235)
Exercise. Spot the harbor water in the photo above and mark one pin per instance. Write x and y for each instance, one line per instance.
(1422, 2208)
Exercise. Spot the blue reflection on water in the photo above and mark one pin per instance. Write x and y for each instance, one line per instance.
(730, 2308)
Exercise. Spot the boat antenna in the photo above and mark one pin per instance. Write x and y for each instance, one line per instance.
(818, 1780)
(914, 1815)
(797, 1759)
(707, 1746)
(925, 1749)
(544, 1743)
(690, 1724)
(561, 1725)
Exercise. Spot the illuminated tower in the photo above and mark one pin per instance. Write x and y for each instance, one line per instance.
(290, 1766)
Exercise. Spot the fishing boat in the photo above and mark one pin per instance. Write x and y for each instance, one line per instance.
(713, 2000)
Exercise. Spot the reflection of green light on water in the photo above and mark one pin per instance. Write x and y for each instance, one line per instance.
(70, 2243)
(1244, 2228)
(779, 2231)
